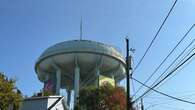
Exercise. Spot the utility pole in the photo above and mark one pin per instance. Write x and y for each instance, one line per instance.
(142, 104)
(128, 66)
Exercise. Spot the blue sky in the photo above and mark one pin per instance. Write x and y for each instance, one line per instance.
(28, 27)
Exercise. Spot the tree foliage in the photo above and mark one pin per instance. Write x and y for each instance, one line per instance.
(105, 97)
(9, 94)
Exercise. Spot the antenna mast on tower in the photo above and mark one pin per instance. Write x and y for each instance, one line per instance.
(81, 29)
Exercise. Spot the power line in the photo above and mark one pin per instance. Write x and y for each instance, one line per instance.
(175, 61)
(168, 102)
(163, 106)
(166, 58)
(189, 96)
(170, 107)
(165, 77)
(172, 97)
(155, 36)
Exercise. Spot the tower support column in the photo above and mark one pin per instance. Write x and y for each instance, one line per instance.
(97, 78)
(76, 84)
(58, 82)
(113, 77)
(68, 96)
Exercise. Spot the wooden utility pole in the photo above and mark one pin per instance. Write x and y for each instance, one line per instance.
(142, 104)
(128, 66)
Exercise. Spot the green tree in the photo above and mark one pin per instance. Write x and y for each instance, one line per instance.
(9, 94)
(105, 97)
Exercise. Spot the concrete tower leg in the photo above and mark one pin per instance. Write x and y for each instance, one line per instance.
(47, 77)
(76, 83)
(58, 81)
(68, 96)
(114, 80)
(97, 78)
(45, 81)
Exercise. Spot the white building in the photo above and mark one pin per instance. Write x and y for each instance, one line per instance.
(44, 103)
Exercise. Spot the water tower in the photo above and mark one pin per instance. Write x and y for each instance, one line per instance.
(75, 64)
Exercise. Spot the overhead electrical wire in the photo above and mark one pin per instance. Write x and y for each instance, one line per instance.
(169, 102)
(175, 61)
(188, 53)
(175, 74)
(165, 58)
(170, 107)
(163, 106)
(151, 88)
(166, 77)
(154, 38)
(172, 97)
(184, 97)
